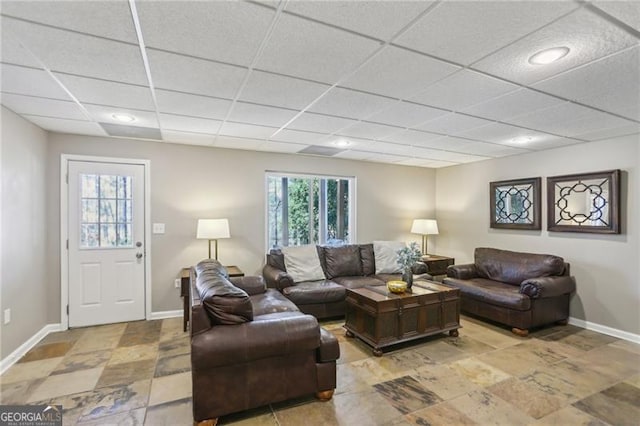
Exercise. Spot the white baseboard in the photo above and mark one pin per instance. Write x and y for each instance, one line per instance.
(625, 335)
(14, 356)
(165, 314)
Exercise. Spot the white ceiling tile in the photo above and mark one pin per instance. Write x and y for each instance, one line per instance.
(353, 154)
(187, 138)
(79, 54)
(369, 130)
(277, 90)
(386, 158)
(312, 122)
(405, 114)
(626, 11)
(272, 146)
(306, 49)
(110, 19)
(353, 143)
(29, 81)
(104, 114)
(612, 83)
(237, 143)
(440, 155)
(464, 31)
(388, 148)
(193, 105)
(611, 133)
(411, 137)
(260, 115)
(42, 106)
(512, 104)
(12, 52)
(246, 130)
(300, 137)
(587, 35)
(398, 73)
(463, 89)
(103, 92)
(446, 143)
(492, 150)
(61, 125)
(189, 124)
(507, 135)
(423, 162)
(200, 77)
(350, 103)
(226, 31)
(452, 124)
(380, 19)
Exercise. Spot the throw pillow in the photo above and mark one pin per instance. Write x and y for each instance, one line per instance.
(386, 256)
(302, 263)
(342, 261)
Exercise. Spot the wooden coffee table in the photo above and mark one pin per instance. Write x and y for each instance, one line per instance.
(381, 319)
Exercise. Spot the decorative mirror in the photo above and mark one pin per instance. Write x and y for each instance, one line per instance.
(515, 204)
(587, 202)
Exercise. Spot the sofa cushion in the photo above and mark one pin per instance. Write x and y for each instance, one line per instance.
(271, 302)
(341, 261)
(275, 258)
(492, 292)
(211, 265)
(357, 282)
(303, 263)
(386, 256)
(315, 292)
(515, 267)
(223, 302)
(368, 259)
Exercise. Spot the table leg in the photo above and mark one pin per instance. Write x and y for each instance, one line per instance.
(453, 333)
(377, 352)
(349, 333)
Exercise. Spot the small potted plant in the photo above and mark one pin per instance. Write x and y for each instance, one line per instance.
(407, 257)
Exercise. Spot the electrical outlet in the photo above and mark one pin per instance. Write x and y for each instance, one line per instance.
(176, 282)
(7, 316)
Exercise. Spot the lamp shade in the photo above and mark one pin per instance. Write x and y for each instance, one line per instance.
(424, 227)
(211, 229)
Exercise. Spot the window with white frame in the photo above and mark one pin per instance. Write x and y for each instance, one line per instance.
(309, 209)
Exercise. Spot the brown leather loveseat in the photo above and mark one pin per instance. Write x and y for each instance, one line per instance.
(250, 346)
(522, 290)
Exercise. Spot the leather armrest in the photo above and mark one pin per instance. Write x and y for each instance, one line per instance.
(236, 344)
(539, 288)
(419, 268)
(251, 285)
(276, 278)
(425, 276)
(462, 272)
(329, 349)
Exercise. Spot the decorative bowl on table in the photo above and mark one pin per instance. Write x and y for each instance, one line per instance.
(397, 286)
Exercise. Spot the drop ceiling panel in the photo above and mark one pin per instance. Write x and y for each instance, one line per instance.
(246, 130)
(386, 158)
(463, 31)
(110, 19)
(188, 138)
(300, 137)
(100, 58)
(512, 104)
(354, 155)
(104, 114)
(60, 125)
(379, 19)
(626, 11)
(237, 143)
(12, 52)
(369, 130)
(388, 148)
(463, 89)
(42, 106)
(452, 157)
(189, 124)
(398, 73)
(286, 147)
(103, 92)
(405, 114)
(505, 134)
(611, 133)
(200, 77)
(306, 49)
(453, 124)
(492, 150)
(260, 115)
(216, 25)
(277, 90)
(320, 123)
(193, 105)
(29, 81)
(587, 35)
(411, 137)
(422, 162)
(350, 103)
(445, 143)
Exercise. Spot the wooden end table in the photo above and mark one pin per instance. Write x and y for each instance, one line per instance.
(437, 265)
(233, 271)
(381, 319)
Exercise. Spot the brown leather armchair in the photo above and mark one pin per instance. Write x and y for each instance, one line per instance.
(250, 346)
(522, 290)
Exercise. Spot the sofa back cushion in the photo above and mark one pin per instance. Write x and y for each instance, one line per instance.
(514, 267)
(386, 256)
(340, 261)
(368, 259)
(303, 263)
(211, 265)
(223, 302)
(275, 258)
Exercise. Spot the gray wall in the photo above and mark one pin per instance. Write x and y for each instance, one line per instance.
(191, 182)
(25, 279)
(605, 266)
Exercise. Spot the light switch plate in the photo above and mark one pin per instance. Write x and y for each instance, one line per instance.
(158, 228)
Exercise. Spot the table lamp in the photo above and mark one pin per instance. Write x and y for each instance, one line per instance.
(212, 229)
(425, 227)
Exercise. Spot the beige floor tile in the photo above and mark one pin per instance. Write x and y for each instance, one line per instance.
(126, 372)
(134, 353)
(439, 351)
(171, 324)
(440, 414)
(179, 346)
(70, 335)
(173, 365)
(170, 388)
(570, 416)
(478, 372)
(469, 345)
(82, 361)
(18, 392)
(66, 384)
(625, 344)
(128, 418)
(406, 394)
(261, 416)
(50, 350)
(614, 360)
(375, 370)
(527, 398)
(353, 350)
(24, 371)
(579, 338)
(91, 342)
(445, 381)
(617, 405)
(487, 409)
(174, 413)
(634, 380)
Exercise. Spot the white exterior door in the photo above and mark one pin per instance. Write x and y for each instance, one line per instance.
(106, 242)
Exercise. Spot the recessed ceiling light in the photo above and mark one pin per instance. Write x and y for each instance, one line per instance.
(522, 139)
(548, 56)
(123, 118)
(342, 143)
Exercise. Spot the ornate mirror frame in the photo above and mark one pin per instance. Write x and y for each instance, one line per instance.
(595, 198)
(515, 204)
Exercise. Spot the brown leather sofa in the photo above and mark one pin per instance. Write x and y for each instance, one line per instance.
(251, 346)
(522, 290)
(347, 266)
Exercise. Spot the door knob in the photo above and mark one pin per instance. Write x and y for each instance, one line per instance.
(139, 255)
(138, 244)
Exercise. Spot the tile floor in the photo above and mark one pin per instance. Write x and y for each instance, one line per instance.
(139, 373)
